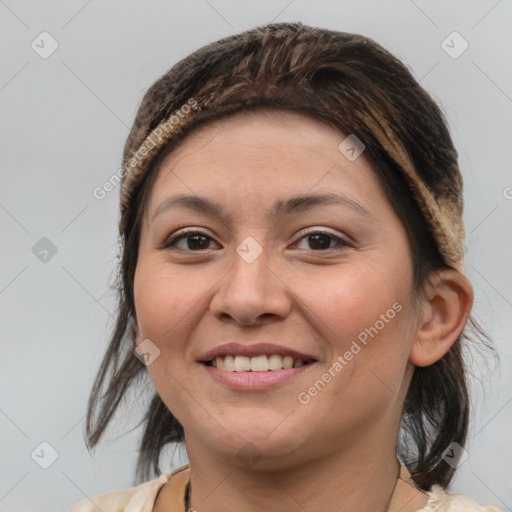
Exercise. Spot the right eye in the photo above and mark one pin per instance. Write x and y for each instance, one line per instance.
(191, 241)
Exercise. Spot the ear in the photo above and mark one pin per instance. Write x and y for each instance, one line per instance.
(443, 314)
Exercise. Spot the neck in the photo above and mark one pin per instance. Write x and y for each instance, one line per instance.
(362, 478)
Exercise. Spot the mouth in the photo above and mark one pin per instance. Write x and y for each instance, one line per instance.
(255, 367)
(258, 363)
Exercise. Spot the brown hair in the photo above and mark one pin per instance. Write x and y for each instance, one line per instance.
(352, 83)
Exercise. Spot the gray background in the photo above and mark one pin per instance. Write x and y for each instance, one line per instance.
(64, 120)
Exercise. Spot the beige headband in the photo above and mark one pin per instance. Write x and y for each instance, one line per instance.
(444, 217)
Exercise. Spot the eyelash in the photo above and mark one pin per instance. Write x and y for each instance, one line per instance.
(342, 244)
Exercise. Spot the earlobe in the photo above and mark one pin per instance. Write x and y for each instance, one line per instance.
(444, 313)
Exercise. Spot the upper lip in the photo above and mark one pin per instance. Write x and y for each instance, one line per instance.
(252, 350)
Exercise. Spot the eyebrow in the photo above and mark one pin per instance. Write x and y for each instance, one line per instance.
(281, 208)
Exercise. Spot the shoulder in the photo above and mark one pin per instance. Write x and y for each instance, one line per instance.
(139, 498)
(441, 501)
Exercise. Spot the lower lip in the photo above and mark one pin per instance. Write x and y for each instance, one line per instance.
(254, 381)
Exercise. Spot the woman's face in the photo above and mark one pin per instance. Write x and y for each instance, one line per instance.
(293, 249)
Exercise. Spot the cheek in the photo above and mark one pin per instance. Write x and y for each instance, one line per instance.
(170, 302)
(348, 301)
(162, 298)
(363, 316)
(167, 304)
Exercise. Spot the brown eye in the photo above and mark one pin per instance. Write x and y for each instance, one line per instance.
(192, 241)
(321, 240)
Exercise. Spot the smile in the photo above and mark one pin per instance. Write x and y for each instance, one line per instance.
(261, 363)
(247, 379)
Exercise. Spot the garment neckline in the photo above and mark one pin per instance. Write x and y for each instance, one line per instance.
(434, 495)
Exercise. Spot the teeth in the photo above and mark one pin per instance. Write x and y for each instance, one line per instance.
(242, 363)
(256, 364)
(229, 363)
(287, 362)
(275, 362)
(259, 364)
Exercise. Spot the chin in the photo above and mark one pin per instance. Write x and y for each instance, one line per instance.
(260, 443)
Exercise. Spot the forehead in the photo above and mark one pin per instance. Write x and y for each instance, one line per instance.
(261, 150)
(264, 130)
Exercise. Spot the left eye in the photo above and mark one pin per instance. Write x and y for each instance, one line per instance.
(321, 240)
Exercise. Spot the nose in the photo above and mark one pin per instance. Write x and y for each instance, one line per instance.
(251, 292)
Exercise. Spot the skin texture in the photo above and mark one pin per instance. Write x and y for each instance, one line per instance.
(315, 295)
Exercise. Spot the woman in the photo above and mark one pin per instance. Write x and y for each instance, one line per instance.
(300, 375)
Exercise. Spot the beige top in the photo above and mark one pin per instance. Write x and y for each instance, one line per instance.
(142, 497)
